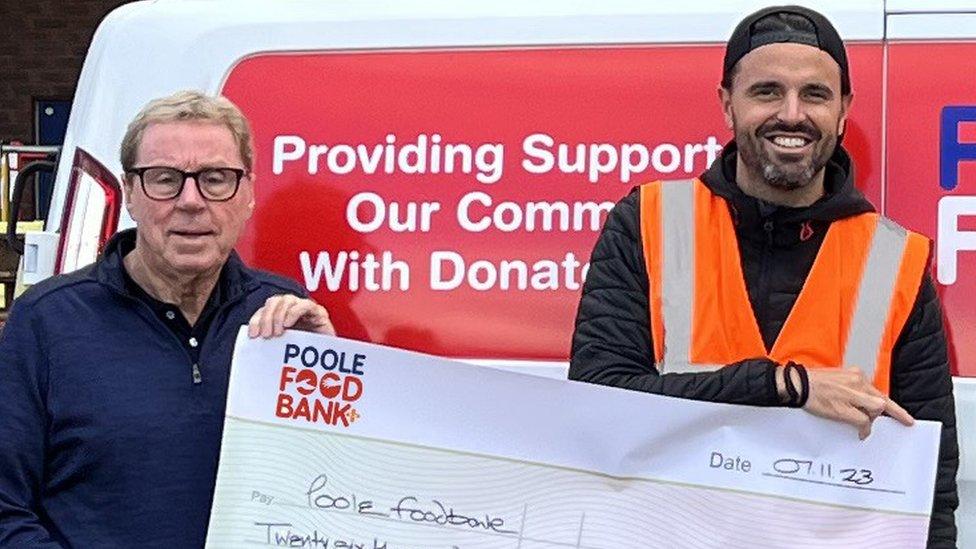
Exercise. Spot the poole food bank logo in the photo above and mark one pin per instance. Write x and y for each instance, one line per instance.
(320, 385)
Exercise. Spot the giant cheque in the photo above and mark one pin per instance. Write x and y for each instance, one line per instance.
(336, 444)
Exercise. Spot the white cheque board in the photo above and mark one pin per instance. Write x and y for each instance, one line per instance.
(331, 444)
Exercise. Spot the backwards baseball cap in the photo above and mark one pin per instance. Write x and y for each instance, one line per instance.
(793, 24)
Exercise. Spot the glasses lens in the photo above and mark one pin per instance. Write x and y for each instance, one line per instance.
(218, 183)
(162, 183)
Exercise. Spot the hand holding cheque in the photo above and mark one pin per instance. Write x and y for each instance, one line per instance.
(845, 395)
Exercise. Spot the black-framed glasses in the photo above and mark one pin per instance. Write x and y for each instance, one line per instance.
(166, 183)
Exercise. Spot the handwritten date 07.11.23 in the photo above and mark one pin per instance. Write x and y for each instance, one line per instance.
(796, 468)
(827, 471)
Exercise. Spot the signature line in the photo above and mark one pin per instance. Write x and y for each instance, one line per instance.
(850, 486)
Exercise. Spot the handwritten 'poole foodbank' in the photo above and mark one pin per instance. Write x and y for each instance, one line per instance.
(320, 396)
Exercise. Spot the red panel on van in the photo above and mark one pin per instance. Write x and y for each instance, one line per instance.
(490, 267)
(931, 180)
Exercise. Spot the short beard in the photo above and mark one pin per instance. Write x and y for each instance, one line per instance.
(789, 176)
(788, 180)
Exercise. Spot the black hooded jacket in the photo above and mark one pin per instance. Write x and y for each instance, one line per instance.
(612, 341)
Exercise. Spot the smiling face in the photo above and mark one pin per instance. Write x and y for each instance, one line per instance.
(786, 110)
(188, 235)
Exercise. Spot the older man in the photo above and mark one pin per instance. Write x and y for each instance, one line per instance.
(113, 378)
(770, 280)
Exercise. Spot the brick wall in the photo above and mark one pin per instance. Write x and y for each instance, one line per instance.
(42, 46)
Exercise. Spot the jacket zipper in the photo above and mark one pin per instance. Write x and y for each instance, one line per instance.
(195, 373)
(194, 368)
(768, 227)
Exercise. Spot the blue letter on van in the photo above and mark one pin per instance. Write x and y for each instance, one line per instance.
(951, 151)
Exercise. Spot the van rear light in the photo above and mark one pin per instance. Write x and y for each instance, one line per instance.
(91, 213)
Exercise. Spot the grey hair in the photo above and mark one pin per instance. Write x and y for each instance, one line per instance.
(188, 105)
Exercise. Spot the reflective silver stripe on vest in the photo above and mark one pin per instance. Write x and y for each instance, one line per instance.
(677, 270)
(874, 296)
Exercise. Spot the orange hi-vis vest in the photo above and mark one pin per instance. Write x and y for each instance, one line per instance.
(850, 312)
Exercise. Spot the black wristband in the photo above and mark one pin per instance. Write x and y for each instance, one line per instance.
(804, 385)
(791, 391)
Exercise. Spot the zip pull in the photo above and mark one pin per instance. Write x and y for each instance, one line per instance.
(768, 228)
(197, 377)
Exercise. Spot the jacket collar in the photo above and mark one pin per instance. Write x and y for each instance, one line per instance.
(235, 277)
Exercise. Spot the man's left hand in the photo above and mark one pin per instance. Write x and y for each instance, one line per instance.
(282, 312)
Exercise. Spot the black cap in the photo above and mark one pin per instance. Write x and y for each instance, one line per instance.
(794, 24)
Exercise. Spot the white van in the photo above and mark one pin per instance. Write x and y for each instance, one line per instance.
(436, 172)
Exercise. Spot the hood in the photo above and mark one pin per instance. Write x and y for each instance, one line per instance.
(790, 225)
(841, 199)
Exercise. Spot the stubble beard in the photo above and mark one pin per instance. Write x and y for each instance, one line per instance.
(785, 176)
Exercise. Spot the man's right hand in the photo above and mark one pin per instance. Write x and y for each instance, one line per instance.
(846, 395)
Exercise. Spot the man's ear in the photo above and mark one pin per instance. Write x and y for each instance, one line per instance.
(845, 107)
(127, 192)
(725, 99)
(250, 197)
